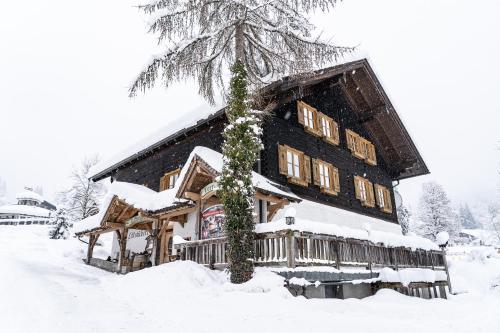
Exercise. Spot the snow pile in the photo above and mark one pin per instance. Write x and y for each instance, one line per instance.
(47, 288)
(310, 210)
(408, 275)
(386, 238)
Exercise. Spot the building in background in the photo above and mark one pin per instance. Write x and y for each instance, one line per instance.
(31, 208)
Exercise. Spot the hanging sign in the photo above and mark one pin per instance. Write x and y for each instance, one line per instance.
(212, 222)
(209, 190)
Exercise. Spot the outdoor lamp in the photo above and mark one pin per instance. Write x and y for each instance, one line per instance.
(290, 215)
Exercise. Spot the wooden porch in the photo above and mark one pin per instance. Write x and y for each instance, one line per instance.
(289, 248)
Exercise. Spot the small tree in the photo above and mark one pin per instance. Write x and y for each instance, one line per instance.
(60, 230)
(404, 215)
(435, 212)
(82, 199)
(466, 219)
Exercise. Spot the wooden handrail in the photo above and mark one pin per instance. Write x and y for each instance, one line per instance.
(294, 248)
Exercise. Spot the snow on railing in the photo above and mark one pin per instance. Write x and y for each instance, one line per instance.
(297, 248)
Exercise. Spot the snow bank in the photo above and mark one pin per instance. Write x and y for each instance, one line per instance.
(387, 239)
(48, 289)
(408, 275)
(314, 211)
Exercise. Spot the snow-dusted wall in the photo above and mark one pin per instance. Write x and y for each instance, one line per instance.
(189, 228)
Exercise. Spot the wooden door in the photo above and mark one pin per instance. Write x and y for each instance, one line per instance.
(166, 246)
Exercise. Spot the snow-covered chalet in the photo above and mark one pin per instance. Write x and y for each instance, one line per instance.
(334, 149)
(31, 208)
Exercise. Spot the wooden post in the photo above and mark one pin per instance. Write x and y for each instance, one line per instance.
(90, 249)
(290, 247)
(154, 235)
(337, 255)
(123, 245)
(446, 268)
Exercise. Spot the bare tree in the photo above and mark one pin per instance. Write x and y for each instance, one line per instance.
(82, 199)
(259, 40)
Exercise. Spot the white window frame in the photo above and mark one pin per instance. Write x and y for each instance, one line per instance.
(293, 164)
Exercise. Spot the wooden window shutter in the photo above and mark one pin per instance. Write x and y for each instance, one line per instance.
(336, 180)
(357, 180)
(282, 160)
(334, 127)
(164, 183)
(351, 139)
(315, 166)
(388, 201)
(370, 197)
(378, 189)
(307, 168)
(300, 112)
(371, 156)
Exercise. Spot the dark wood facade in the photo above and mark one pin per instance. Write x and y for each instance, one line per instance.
(349, 94)
(284, 128)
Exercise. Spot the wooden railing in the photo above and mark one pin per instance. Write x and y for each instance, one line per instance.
(293, 248)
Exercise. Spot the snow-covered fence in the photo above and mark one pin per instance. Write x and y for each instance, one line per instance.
(295, 248)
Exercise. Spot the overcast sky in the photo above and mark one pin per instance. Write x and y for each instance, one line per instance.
(65, 67)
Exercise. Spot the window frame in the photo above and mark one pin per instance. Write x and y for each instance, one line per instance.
(384, 198)
(320, 178)
(304, 177)
(361, 147)
(314, 129)
(364, 191)
(165, 180)
(333, 128)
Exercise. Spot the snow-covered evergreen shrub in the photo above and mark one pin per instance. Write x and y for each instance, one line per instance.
(60, 229)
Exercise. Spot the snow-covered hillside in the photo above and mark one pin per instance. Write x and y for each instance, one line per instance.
(45, 287)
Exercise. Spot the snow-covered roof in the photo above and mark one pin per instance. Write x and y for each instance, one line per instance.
(29, 195)
(139, 196)
(214, 160)
(25, 210)
(164, 134)
(142, 197)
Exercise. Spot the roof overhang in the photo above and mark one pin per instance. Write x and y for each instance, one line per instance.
(366, 96)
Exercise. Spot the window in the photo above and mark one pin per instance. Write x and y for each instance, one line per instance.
(326, 176)
(295, 165)
(384, 200)
(329, 129)
(364, 191)
(361, 148)
(308, 116)
(169, 179)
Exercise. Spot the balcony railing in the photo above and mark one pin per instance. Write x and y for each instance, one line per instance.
(293, 248)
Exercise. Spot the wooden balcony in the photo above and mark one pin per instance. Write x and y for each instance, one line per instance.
(289, 248)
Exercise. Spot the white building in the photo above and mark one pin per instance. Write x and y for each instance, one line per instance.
(31, 208)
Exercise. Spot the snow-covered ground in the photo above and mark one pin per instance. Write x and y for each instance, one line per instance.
(45, 287)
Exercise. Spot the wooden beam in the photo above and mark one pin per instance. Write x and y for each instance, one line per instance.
(115, 225)
(177, 212)
(268, 197)
(192, 196)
